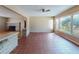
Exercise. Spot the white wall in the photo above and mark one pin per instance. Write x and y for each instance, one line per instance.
(39, 24)
(27, 26)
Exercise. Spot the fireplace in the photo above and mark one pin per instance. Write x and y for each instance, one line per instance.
(12, 28)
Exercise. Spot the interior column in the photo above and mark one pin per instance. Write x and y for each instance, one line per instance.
(54, 23)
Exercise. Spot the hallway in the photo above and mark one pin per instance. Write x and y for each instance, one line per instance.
(45, 43)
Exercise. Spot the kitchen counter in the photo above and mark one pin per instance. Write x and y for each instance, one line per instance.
(4, 35)
(8, 41)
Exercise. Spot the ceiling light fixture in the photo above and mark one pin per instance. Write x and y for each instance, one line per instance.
(45, 10)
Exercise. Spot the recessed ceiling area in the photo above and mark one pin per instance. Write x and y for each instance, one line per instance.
(36, 10)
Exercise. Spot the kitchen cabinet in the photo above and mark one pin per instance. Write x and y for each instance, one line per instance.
(8, 43)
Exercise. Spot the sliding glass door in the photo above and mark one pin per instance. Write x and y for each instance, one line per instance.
(69, 25)
(65, 24)
(76, 25)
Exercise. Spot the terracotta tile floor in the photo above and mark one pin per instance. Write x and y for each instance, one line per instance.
(45, 43)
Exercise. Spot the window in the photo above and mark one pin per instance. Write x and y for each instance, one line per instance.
(51, 24)
(65, 24)
(69, 25)
(57, 24)
(76, 25)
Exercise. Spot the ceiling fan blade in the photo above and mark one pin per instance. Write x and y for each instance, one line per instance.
(47, 10)
(43, 10)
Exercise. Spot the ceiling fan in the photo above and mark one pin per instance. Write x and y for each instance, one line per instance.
(45, 10)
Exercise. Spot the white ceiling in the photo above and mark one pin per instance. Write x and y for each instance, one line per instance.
(34, 10)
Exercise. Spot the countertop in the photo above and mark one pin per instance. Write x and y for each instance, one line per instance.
(5, 34)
